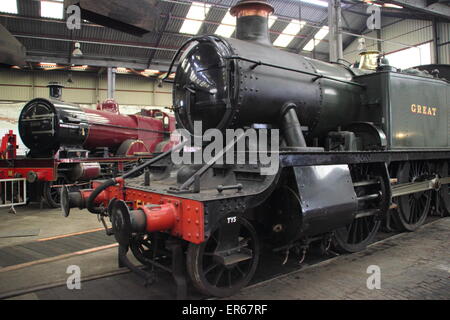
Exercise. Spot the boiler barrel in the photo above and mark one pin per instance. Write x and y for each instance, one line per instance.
(221, 84)
(45, 126)
(107, 129)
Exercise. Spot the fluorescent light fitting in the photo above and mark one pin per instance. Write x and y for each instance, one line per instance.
(8, 6)
(79, 68)
(390, 5)
(121, 70)
(47, 64)
(195, 17)
(289, 33)
(151, 71)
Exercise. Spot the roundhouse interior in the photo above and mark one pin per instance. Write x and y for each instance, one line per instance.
(188, 150)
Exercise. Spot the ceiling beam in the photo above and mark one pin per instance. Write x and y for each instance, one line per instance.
(436, 9)
(104, 62)
(160, 34)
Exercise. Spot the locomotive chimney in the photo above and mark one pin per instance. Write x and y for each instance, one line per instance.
(252, 20)
(55, 90)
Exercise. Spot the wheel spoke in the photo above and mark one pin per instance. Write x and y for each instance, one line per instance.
(210, 268)
(412, 213)
(219, 276)
(355, 231)
(356, 235)
(238, 268)
(208, 254)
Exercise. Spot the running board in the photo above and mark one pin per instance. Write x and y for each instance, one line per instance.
(414, 187)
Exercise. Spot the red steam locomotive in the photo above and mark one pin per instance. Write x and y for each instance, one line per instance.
(70, 145)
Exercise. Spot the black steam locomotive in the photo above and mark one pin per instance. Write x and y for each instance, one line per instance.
(359, 146)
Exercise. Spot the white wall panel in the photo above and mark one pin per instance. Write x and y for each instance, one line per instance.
(398, 34)
(86, 88)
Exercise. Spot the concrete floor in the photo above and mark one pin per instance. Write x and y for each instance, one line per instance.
(45, 223)
(49, 223)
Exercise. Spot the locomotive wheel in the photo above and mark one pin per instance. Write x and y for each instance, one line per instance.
(52, 195)
(130, 147)
(412, 209)
(361, 232)
(356, 236)
(444, 190)
(144, 249)
(212, 270)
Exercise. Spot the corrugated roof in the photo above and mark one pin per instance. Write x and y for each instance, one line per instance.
(29, 23)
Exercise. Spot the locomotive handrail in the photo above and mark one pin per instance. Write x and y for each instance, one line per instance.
(130, 128)
(316, 75)
(188, 183)
(90, 205)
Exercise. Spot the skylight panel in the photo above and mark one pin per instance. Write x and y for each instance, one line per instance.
(310, 45)
(316, 2)
(8, 6)
(52, 9)
(227, 26)
(195, 17)
(289, 33)
(272, 20)
(320, 35)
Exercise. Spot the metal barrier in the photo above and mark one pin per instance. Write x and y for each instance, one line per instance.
(13, 192)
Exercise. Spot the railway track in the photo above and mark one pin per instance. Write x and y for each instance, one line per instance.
(120, 283)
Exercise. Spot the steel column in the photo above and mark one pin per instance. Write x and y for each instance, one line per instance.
(111, 82)
(436, 57)
(379, 42)
(335, 25)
